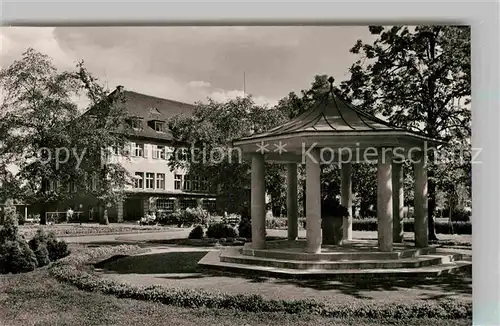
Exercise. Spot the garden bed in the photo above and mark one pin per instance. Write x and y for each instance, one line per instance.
(74, 230)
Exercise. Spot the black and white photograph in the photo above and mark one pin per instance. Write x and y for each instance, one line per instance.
(236, 175)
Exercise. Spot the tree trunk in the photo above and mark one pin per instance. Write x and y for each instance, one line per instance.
(43, 206)
(431, 226)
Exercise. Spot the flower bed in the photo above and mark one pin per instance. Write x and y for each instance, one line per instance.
(68, 230)
(75, 270)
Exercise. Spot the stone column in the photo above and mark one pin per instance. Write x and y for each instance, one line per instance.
(346, 199)
(313, 201)
(258, 202)
(421, 208)
(384, 201)
(119, 211)
(291, 201)
(397, 202)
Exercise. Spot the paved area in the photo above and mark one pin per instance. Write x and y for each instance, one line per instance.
(176, 268)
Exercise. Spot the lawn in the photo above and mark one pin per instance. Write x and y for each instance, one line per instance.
(37, 299)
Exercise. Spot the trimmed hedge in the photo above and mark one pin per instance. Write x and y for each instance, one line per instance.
(370, 224)
(71, 270)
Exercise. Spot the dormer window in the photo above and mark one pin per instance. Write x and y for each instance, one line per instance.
(157, 125)
(135, 122)
(160, 126)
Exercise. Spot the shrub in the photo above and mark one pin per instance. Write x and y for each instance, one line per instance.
(196, 233)
(196, 216)
(245, 228)
(57, 249)
(460, 215)
(276, 223)
(221, 230)
(10, 228)
(167, 218)
(16, 257)
(42, 255)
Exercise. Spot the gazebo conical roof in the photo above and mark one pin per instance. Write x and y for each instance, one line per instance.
(334, 123)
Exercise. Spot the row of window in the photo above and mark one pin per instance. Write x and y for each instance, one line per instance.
(157, 125)
(151, 180)
(139, 150)
(91, 183)
(168, 205)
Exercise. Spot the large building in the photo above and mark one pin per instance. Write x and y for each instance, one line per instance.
(155, 186)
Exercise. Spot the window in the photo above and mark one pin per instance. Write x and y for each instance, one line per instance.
(137, 150)
(177, 181)
(160, 181)
(159, 152)
(187, 183)
(188, 203)
(139, 180)
(114, 149)
(165, 205)
(74, 186)
(195, 183)
(159, 126)
(150, 180)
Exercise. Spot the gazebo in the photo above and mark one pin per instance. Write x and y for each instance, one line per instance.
(336, 131)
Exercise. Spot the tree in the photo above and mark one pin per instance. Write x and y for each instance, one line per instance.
(202, 143)
(419, 78)
(45, 135)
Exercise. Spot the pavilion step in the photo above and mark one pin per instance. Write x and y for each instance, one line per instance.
(212, 262)
(237, 258)
(337, 256)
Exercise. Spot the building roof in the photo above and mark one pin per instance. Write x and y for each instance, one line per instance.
(334, 123)
(148, 108)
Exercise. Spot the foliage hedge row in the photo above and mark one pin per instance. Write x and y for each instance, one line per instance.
(71, 270)
(370, 224)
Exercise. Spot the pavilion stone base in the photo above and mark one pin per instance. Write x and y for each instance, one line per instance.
(356, 259)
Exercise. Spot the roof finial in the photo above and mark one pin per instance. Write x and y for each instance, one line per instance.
(331, 80)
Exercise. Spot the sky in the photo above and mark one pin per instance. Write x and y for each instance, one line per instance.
(189, 64)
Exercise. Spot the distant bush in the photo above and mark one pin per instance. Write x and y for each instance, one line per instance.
(442, 227)
(370, 224)
(197, 232)
(221, 230)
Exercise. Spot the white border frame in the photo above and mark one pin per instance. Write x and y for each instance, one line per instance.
(482, 16)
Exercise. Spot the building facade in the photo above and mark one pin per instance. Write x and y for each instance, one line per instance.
(155, 187)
